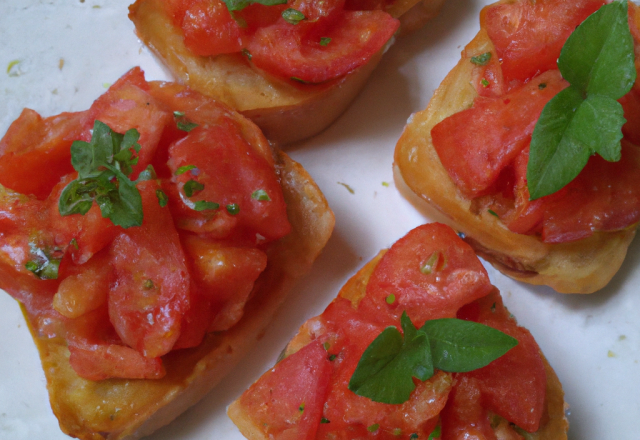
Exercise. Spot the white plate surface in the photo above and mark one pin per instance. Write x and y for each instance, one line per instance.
(70, 50)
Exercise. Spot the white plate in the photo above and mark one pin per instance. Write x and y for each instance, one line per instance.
(69, 50)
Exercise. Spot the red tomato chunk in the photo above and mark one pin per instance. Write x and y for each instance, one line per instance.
(123, 298)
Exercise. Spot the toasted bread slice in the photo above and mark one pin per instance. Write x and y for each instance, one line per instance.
(582, 266)
(553, 425)
(129, 409)
(285, 112)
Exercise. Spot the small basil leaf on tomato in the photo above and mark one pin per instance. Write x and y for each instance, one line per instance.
(584, 119)
(238, 5)
(324, 41)
(184, 169)
(436, 433)
(260, 195)
(203, 205)
(386, 368)
(233, 208)
(293, 16)
(460, 346)
(163, 200)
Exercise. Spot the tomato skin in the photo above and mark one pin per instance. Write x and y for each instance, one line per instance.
(457, 277)
(464, 417)
(528, 36)
(151, 290)
(283, 50)
(126, 105)
(497, 129)
(209, 29)
(231, 173)
(514, 385)
(299, 381)
(34, 153)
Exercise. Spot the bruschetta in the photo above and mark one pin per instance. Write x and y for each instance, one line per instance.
(149, 239)
(474, 170)
(291, 74)
(341, 377)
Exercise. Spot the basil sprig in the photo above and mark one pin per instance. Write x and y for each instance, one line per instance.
(385, 370)
(103, 167)
(239, 5)
(585, 118)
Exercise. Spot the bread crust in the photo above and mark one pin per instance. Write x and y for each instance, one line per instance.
(553, 426)
(581, 266)
(284, 111)
(119, 409)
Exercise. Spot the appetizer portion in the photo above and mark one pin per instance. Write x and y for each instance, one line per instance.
(417, 345)
(150, 237)
(292, 67)
(530, 144)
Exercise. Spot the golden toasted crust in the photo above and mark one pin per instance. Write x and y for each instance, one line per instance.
(117, 409)
(583, 266)
(553, 425)
(285, 112)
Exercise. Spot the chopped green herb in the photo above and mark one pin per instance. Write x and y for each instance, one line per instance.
(148, 284)
(293, 16)
(162, 198)
(436, 433)
(178, 114)
(233, 209)
(390, 299)
(238, 5)
(481, 60)
(74, 243)
(484, 82)
(493, 213)
(332, 357)
(585, 118)
(397, 432)
(13, 68)
(326, 345)
(148, 173)
(261, 195)
(431, 264)
(103, 167)
(324, 41)
(184, 169)
(323, 420)
(202, 205)
(300, 80)
(246, 53)
(385, 184)
(385, 370)
(348, 187)
(413, 436)
(301, 408)
(186, 125)
(542, 86)
(42, 264)
(373, 428)
(191, 187)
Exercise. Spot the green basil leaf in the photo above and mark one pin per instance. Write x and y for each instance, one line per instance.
(598, 57)
(203, 205)
(163, 200)
(584, 119)
(86, 157)
(238, 5)
(384, 373)
(191, 187)
(481, 60)
(184, 169)
(73, 200)
(261, 195)
(126, 203)
(324, 41)
(460, 346)
(436, 433)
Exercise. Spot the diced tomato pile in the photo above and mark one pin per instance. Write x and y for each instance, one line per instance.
(297, 401)
(487, 159)
(324, 39)
(122, 298)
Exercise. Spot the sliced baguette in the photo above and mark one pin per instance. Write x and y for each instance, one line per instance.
(582, 266)
(553, 425)
(118, 409)
(285, 112)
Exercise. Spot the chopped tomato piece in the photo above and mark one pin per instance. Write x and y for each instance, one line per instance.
(209, 29)
(288, 400)
(464, 417)
(429, 273)
(229, 179)
(287, 51)
(151, 289)
(126, 105)
(528, 36)
(496, 130)
(514, 385)
(35, 152)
